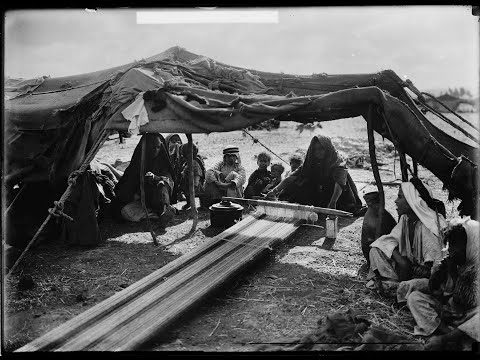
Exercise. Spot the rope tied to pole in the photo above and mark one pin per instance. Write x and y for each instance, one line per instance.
(72, 179)
(256, 141)
(57, 210)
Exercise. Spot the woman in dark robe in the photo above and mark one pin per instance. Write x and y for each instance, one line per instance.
(158, 173)
(322, 180)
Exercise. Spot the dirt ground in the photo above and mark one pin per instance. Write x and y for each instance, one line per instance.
(279, 298)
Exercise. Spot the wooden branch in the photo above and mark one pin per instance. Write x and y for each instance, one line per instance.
(376, 172)
(142, 189)
(292, 206)
(191, 184)
(403, 165)
(15, 199)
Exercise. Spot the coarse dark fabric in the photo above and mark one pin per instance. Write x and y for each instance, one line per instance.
(347, 332)
(83, 206)
(314, 181)
(129, 184)
(173, 143)
(257, 182)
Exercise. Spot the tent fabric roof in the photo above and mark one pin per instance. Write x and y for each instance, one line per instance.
(182, 92)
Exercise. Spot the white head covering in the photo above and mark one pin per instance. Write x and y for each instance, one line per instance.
(426, 215)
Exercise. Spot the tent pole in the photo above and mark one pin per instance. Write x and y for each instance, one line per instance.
(376, 173)
(191, 184)
(403, 165)
(57, 209)
(142, 190)
(15, 199)
(415, 168)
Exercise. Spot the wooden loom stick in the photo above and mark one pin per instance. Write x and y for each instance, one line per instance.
(144, 327)
(291, 206)
(131, 306)
(84, 319)
(145, 302)
(254, 234)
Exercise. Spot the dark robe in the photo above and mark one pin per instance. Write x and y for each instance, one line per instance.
(160, 166)
(176, 160)
(314, 181)
(257, 182)
(198, 169)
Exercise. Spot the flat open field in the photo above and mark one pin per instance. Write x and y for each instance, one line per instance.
(278, 298)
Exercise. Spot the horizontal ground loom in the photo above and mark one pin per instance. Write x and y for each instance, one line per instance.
(143, 310)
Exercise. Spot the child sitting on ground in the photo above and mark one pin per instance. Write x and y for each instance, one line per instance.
(198, 174)
(296, 161)
(276, 171)
(260, 178)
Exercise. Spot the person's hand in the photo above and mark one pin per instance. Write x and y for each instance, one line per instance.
(270, 195)
(435, 343)
(332, 204)
(150, 177)
(222, 185)
(258, 182)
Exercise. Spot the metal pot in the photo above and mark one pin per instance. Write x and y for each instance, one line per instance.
(225, 214)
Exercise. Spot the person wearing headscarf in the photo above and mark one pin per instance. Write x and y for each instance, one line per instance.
(446, 305)
(158, 180)
(198, 174)
(322, 180)
(413, 246)
(226, 178)
(173, 143)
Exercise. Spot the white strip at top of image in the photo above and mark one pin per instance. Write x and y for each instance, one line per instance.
(201, 16)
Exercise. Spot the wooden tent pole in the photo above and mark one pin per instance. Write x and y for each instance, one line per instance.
(191, 184)
(15, 199)
(403, 165)
(142, 189)
(415, 167)
(376, 172)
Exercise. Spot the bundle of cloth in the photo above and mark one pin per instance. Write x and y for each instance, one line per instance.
(344, 331)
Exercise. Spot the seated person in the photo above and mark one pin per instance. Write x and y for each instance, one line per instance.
(277, 171)
(322, 180)
(198, 174)
(414, 244)
(446, 305)
(296, 160)
(158, 182)
(260, 178)
(226, 178)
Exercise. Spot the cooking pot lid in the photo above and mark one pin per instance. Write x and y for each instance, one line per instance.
(226, 205)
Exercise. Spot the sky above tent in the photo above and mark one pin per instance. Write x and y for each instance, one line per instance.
(435, 46)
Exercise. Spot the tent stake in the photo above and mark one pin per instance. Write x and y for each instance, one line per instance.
(376, 173)
(191, 184)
